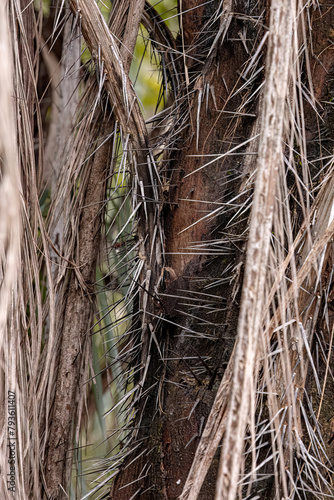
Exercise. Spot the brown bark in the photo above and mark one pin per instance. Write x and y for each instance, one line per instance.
(76, 322)
(175, 410)
(322, 73)
(78, 313)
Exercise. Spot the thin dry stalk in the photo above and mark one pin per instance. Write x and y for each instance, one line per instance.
(10, 229)
(252, 301)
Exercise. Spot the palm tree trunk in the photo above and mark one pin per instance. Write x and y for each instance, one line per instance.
(198, 331)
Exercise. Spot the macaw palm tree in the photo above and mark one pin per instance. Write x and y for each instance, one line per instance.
(195, 244)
